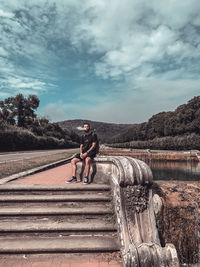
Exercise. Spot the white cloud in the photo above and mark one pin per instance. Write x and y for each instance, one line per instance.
(132, 34)
(24, 82)
(4, 95)
(6, 14)
(21, 45)
(129, 34)
(55, 111)
(176, 13)
(150, 97)
(168, 89)
(14, 84)
(148, 50)
(3, 52)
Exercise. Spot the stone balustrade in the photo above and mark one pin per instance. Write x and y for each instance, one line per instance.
(135, 208)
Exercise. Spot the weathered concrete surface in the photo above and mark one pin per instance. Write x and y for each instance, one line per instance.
(127, 175)
(178, 218)
(66, 244)
(53, 188)
(138, 234)
(178, 209)
(124, 170)
(62, 260)
(54, 198)
(54, 180)
(72, 232)
(54, 225)
(33, 211)
(139, 237)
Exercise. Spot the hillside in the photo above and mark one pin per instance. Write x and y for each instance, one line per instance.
(185, 119)
(178, 129)
(103, 129)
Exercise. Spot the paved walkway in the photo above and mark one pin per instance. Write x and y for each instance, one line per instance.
(57, 261)
(57, 176)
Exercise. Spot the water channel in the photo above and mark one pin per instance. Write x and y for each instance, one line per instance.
(175, 170)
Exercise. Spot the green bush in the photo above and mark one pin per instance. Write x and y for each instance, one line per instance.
(185, 142)
(17, 138)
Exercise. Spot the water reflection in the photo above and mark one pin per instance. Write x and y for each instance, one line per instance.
(173, 170)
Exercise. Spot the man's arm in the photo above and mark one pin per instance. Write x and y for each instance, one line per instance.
(91, 148)
(94, 142)
(84, 155)
(81, 152)
(81, 148)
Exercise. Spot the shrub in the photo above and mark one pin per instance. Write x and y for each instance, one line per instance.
(22, 139)
(184, 142)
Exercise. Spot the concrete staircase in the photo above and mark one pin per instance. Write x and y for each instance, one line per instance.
(57, 219)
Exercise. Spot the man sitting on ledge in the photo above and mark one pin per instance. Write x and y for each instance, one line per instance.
(87, 153)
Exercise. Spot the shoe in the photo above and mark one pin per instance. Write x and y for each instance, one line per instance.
(85, 181)
(72, 180)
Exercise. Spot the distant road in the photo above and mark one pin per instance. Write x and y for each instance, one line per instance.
(14, 156)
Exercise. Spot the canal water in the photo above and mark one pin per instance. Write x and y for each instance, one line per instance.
(174, 170)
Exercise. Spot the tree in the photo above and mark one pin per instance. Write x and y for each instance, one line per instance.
(19, 110)
(6, 111)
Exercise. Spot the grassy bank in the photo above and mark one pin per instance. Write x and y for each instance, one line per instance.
(9, 168)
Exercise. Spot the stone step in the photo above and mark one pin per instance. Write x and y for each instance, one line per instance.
(48, 211)
(53, 188)
(75, 244)
(73, 218)
(53, 198)
(51, 193)
(56, 234)
(55, 204)
(50, 225)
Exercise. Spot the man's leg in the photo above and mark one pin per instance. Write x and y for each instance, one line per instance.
(87, 169)
(74, 161)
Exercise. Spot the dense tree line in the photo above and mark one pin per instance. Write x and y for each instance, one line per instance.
(184, 121)
(21, 128)
(183, 142)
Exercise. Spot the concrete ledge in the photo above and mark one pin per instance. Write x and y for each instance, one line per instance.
(56, 226)
(54, 211)
(58, 245)
(69, 187)
(131, 181)
(148, 154)
(125, 170)
(54, 198)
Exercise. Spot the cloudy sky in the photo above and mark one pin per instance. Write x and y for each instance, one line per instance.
(104, 60)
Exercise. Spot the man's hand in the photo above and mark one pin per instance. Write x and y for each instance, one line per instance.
(83, 155)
